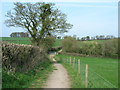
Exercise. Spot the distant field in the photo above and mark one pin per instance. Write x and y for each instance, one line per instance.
(26, 41)
(58, 42)
(103, 72)
(16, 40)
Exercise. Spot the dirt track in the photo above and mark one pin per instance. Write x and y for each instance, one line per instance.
(58, 78)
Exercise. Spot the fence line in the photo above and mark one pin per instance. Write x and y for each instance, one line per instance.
(86, 78)
(78, 66)
(82, 70)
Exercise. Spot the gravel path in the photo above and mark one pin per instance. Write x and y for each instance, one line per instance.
(58, 78)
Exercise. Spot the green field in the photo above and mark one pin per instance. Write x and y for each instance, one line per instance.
(26, 40)
(16, 40)
(103, 72)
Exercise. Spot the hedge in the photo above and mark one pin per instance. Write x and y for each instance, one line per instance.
(104, 49)
(21, 58)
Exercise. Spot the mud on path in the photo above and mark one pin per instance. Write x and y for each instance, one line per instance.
(58, 78)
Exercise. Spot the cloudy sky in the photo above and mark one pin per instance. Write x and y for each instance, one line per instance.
(89, 17)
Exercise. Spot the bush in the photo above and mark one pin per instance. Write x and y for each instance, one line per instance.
(104, 49)
(21, 58)
(47, 43)
(110, 48)
(69, 44)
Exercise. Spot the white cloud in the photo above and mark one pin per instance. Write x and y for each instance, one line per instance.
(82, 1)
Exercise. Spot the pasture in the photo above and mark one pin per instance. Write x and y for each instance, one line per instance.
(58, 42)
(103, 72)
(25, 40)
(17, 40)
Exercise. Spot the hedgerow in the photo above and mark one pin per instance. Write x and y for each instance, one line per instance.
(21, 58)
(106, 49)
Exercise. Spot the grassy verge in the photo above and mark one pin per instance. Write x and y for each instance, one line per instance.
(41, 77)
(27, 80)
(76, 81)
(103, 72)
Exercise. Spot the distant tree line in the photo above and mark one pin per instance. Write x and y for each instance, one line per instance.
(98, 37)
(19, 34)
(86, 38)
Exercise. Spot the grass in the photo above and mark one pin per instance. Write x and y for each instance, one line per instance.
(103, 72)
(41, 78)
(14, 38)
(17, 40)
(76, 81)
(26, 40)
(26, 80)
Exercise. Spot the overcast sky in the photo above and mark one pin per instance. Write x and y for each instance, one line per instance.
(89, 17)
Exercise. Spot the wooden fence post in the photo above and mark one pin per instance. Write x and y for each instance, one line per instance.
(79, 66)
(86, 78)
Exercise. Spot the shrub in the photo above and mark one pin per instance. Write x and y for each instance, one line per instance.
(69, 44)
(21, 58)
(110, 48)
(104, 49)
(47, 43)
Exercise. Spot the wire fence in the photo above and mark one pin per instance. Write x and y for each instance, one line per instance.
(90, 78)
